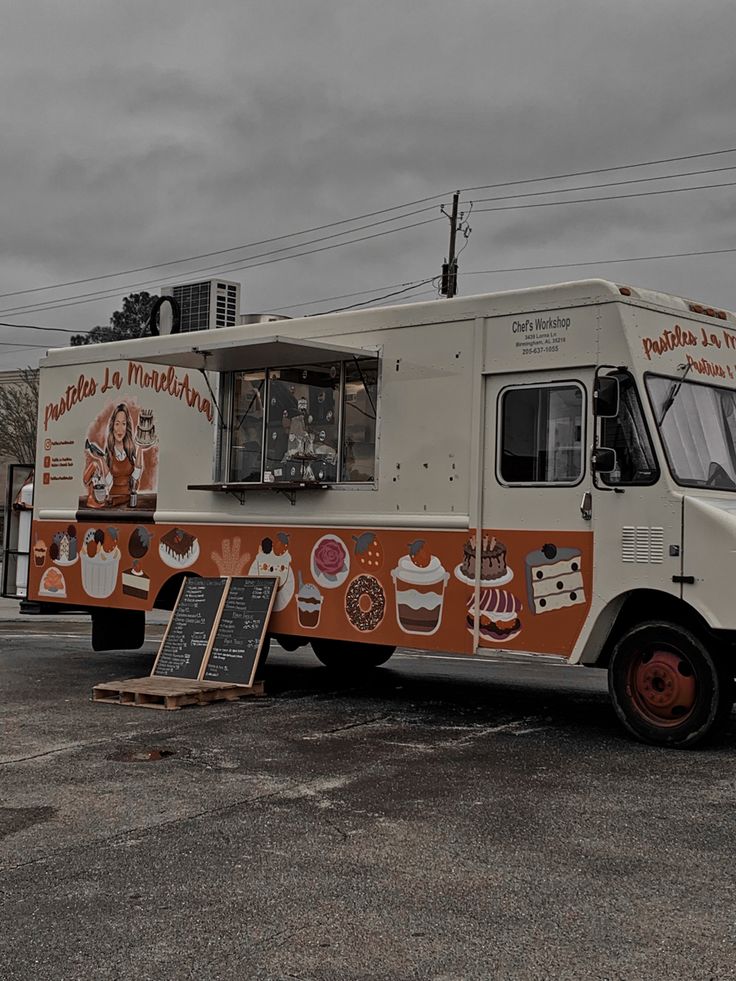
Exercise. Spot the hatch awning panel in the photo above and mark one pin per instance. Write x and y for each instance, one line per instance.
(256, 352)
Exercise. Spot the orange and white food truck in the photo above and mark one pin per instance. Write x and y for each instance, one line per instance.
(546, 471)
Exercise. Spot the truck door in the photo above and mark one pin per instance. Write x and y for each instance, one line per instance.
(637, 524)
(537, 563)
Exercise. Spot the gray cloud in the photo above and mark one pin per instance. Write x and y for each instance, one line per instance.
(136, 133)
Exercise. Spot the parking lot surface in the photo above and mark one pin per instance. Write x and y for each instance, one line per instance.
(442, 819)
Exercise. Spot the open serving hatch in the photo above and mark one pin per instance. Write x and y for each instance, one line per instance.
(295, 414)
(256, 352)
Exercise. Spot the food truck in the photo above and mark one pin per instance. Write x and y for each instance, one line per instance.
(547, 471)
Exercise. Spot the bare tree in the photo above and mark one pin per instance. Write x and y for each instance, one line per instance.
(18, 415)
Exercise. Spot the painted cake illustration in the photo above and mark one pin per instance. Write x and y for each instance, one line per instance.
(492, 562)
(496, 614)
(145, 434)
(554, 578)
(308, 604)
(419, 580)
(100, 557)
(178, 548)
(135, 582)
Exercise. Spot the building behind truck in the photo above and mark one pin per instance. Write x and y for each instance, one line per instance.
(545, 471)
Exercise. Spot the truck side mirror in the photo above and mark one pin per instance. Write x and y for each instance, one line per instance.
(606, 396)
(603, 460)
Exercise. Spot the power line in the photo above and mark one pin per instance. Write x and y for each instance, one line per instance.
(598, 262)
(476, 272)
(344, 221)
(590, 187)
(342, 296)
(375, 299)
(609, 197)
(273, 255)
(106, 294)
(234, 248)
(63, 330)
(600, 170)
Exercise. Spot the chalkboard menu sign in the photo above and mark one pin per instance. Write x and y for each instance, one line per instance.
(240, 631)
(187, 638)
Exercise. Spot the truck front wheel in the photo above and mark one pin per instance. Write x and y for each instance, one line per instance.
(347, 657)
(667, 687)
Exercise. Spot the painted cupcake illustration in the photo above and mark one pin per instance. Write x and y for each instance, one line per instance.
(420, 581)
(309, 604)
(100, 562)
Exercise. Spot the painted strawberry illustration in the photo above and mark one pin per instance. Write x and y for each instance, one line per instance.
(368, 550)
(419, 553)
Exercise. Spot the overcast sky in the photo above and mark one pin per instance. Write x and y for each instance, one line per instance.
(135, 133)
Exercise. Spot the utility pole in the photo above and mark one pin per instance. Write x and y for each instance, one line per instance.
(448, 285)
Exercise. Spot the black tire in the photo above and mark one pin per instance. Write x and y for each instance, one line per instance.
(667, 687)
(348, 657)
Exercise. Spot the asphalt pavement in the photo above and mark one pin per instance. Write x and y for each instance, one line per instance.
(444, 818)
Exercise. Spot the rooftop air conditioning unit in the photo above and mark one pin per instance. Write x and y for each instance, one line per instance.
(205, 305)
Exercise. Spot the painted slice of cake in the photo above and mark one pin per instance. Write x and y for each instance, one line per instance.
(136, 582)
(554, 578)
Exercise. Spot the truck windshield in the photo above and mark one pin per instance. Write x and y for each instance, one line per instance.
(698, 431)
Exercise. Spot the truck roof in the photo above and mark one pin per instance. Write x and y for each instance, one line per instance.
(585, 292)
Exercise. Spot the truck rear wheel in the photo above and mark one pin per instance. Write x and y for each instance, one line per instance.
(667, 687)
(347, 657)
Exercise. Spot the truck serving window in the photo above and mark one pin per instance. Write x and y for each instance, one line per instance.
(246, 425)
(302, 423)
(697, 424)
(628, 435)
(311, 422)
(541, 434)
(359, 426)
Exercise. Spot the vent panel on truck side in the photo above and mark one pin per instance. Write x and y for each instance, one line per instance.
(642, 544)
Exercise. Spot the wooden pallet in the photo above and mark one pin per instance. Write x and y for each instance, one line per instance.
(170, 693)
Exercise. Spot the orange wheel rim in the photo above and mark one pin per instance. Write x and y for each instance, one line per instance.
(662, 687)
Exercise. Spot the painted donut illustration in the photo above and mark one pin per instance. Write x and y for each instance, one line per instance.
(365, 603)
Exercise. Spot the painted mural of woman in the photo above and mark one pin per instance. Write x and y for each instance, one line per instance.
(123, 460)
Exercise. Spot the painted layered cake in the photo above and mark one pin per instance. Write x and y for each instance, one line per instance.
(492, 559)
(554, 578)
(145, 435)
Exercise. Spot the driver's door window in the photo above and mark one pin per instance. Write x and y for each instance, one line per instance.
(627, 434)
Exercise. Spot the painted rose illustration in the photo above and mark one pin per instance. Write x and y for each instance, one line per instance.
(330, 561)
(329, 556)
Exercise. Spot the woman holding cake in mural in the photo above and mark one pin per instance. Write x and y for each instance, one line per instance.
(123, 460)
